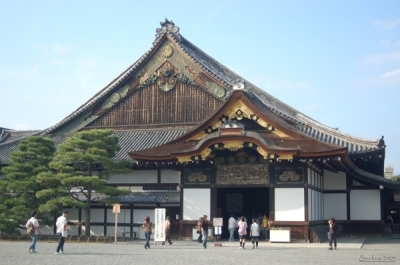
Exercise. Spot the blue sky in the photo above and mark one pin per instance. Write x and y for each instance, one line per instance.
(336, 61)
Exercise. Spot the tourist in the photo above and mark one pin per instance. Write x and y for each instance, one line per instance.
(167, 231)
(231, 227)
(199, 225)
(242, 232)
(265, 227)
(204, 230)
(36, 231)
(61, 226)
(254, 233)
(147, 231)
(332, 232)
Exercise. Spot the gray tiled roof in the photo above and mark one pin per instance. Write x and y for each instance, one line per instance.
(142, 197)
(379, 180)
(134, 140)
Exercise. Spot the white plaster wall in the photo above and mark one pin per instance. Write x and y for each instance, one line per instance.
(321, 206)
(120, 230)
(365, 205)
(170, 176)
(310, 205)
(137, 176)
(123, 217)
(140, 214)
(196, 203)
(72, 229)
(335, 206)
(334, 181)
(289, 204)
(314, 205)
(95, 230)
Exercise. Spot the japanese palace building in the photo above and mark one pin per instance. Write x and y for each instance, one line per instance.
(206, 141)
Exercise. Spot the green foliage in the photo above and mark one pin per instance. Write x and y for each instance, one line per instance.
(395, 178)
(18, 188)
(81, 165)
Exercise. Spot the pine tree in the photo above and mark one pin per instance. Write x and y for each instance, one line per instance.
(82, 165)
(18, 188)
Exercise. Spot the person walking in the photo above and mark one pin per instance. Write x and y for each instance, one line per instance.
(147, 231)
(242, 232)
(167, 231)
(204, 230)
(231, 227)
(61, 225)
(265, 227)
(199, 225)
(36, 231)
(332, 232)
(254, 233)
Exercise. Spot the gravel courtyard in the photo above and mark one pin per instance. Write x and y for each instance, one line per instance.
(350, 251)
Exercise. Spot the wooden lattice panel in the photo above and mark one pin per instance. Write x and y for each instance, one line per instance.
(150, 105)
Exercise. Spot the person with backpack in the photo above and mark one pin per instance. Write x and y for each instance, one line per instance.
(61, 224)
(33, 225)
(242, 232)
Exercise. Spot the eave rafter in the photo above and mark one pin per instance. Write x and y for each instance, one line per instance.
(203, 151)
(239, 110)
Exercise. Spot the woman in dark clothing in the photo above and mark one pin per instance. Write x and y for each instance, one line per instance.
(204, 230)
(332, 232)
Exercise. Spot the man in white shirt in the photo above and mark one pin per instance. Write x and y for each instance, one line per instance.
(61, 224)
(231, 227)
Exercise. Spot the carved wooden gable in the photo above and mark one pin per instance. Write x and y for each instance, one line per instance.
(168, 88)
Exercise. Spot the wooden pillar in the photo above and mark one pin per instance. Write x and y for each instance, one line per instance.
(105, 221)
(80, 221)
(213, 202)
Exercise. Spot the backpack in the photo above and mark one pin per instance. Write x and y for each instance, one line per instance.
(30, 229)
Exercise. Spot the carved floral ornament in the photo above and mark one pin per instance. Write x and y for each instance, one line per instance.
(233, 146)
(167, 51)
(238, 111)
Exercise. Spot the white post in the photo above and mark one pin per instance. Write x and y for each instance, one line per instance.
(116, 210)
(116, 227)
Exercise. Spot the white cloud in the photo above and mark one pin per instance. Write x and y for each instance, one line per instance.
(40, 47)
(284, 84)
(394, 44)
(388, 24)
(382, 58)
(391, 74)
(61, 49)
(35, 71)
(87, 63)
(21, 127)
(58, 62)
